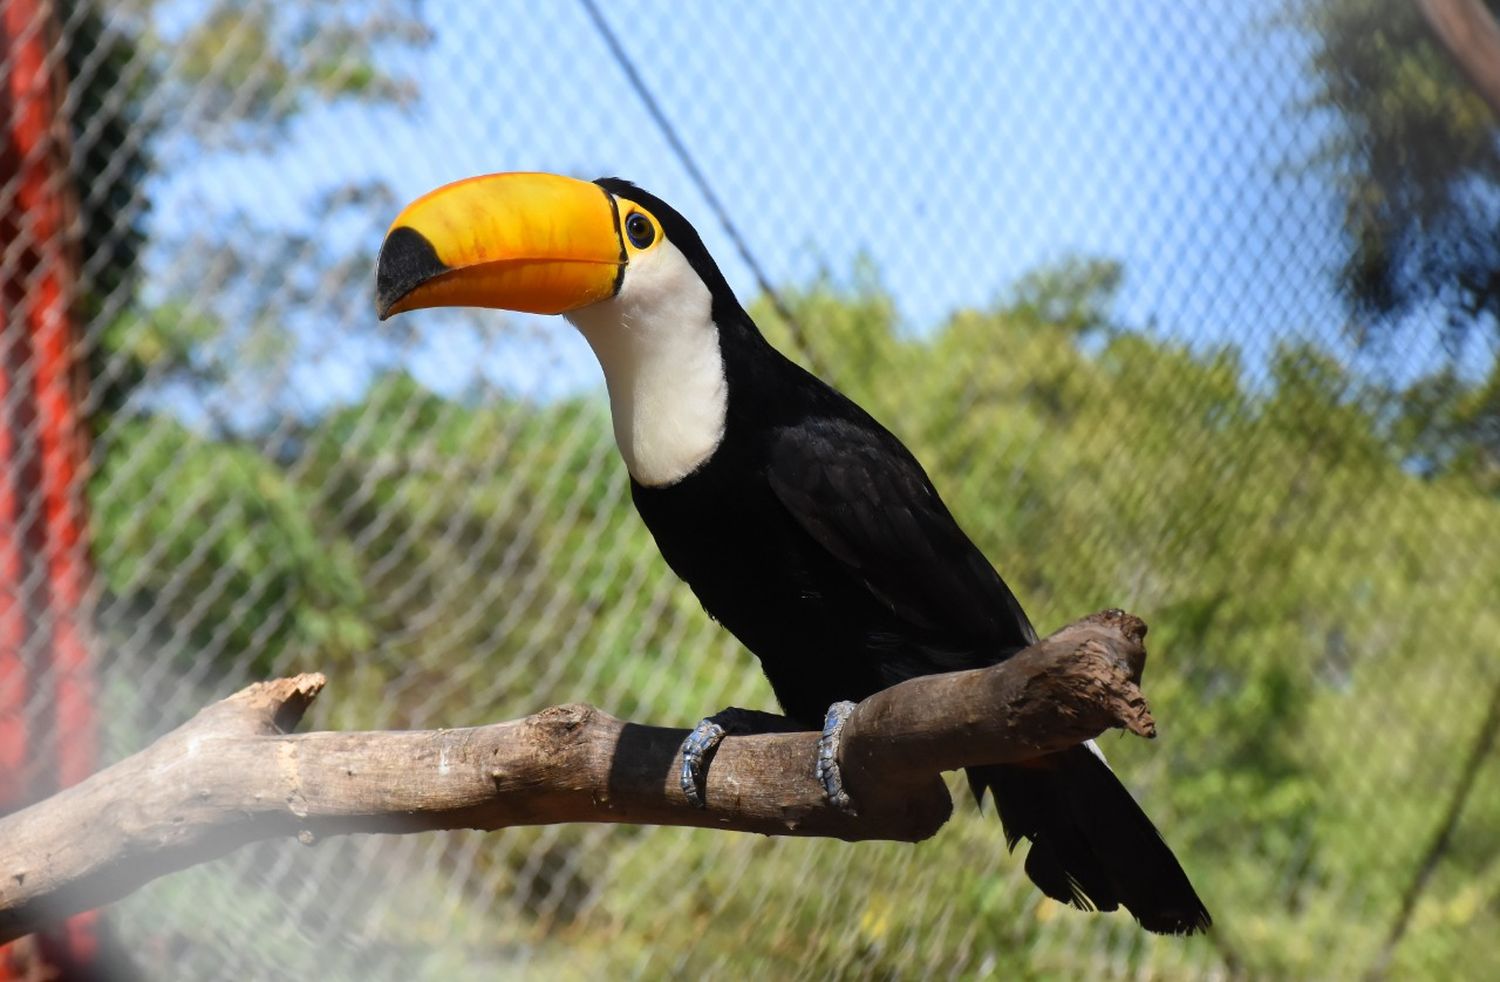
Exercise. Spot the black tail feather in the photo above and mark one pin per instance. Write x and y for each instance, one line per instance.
(1091, 845)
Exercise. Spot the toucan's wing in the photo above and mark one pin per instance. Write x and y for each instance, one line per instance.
(861, 495)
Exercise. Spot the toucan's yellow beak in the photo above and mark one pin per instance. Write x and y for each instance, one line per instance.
(533, 242)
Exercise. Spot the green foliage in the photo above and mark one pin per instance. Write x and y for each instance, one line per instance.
(265, 62)
(1449, 427)
(1074, 295)
(224, 551)
(1415, 154)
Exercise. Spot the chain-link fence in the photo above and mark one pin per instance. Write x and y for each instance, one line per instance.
(1092, 262)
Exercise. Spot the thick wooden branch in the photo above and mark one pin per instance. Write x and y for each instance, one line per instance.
(233, 774)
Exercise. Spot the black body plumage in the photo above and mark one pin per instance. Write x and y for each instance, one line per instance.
(817, 539)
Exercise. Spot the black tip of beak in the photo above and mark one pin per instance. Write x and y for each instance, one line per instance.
(407, 260)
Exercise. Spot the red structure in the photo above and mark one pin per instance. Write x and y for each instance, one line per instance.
(48, 729)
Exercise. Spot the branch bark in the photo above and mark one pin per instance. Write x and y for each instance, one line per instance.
(233, 774)
(1469, 33)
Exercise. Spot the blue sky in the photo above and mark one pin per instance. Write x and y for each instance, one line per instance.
(956, 146)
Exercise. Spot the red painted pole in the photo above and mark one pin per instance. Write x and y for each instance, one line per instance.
(48, 728)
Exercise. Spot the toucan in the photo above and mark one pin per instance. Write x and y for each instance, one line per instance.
(801, 523)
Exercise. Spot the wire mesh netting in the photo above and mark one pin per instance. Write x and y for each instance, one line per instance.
(1092, 263)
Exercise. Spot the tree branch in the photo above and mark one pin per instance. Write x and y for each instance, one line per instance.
(1469, 33)
(233, 775)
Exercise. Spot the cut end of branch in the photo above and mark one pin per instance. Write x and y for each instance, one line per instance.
(1132, 710)
(1122, 666)
(1129, 625)
(280, 702)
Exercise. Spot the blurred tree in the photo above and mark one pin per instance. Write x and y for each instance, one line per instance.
(1415, 155)
(247, 572)
(109, 160)
(1447, 425)
(241, 72)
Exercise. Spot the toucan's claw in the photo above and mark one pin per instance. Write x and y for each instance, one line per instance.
(703, 741)
(828, 771)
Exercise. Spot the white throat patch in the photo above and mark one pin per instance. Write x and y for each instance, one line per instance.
(659, 348)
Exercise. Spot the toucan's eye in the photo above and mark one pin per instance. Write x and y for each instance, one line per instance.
(640, 230)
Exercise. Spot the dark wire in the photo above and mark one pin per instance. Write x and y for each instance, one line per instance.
(622, 58)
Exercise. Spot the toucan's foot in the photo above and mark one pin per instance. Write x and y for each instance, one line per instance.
(704, 740)
(829, 774)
